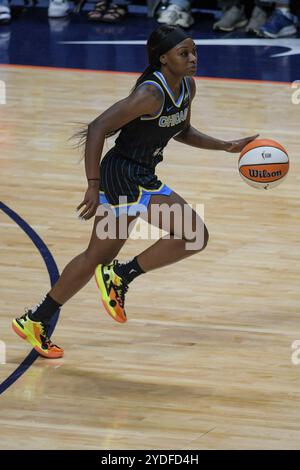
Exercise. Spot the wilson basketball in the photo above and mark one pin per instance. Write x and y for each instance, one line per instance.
(263, 163)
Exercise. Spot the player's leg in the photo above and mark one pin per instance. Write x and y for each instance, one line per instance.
(80, 270)
(113, 287)
(188, 234)
(33, 325)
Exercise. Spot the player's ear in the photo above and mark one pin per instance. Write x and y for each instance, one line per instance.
(163, 59)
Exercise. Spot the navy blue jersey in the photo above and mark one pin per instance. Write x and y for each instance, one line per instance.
(144, 138)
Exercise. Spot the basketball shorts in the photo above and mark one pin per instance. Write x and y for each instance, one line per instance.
(126, 186)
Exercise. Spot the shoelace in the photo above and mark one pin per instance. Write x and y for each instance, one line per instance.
(44, 336)
(24, 316)
(121, 291)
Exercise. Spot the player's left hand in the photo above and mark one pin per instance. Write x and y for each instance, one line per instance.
(236, 146)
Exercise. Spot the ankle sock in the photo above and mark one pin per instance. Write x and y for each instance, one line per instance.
(128, 270)
(43, 311)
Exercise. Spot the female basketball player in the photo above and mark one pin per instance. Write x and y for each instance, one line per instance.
(157, 109)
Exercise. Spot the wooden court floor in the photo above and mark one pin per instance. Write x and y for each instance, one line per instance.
(204, 361)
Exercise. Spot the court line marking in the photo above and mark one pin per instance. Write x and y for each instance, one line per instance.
(206, 326)
(136, 74)
(53, 274)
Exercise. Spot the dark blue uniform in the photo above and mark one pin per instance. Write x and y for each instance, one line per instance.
(128, 169)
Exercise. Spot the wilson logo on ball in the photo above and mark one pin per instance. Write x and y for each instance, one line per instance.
(263, 163)
(264, 173)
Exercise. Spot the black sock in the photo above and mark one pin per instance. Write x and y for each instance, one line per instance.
(128, 271)
(43, 311)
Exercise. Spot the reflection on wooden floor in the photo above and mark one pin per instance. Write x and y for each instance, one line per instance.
(204, 361)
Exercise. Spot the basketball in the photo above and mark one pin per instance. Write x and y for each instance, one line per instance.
(263, 163)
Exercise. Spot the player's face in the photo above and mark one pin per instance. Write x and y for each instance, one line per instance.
(182, 59)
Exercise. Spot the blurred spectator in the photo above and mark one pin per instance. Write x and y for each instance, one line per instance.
(107, 12)
(5, 13)
(260, 14)
(58, 8)
(177, 13)
(265, 19)
(281, 23)
(234, 16)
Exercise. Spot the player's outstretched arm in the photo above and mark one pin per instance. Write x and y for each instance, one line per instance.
(194, 138)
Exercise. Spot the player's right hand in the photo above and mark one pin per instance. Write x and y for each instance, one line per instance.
(91, 203)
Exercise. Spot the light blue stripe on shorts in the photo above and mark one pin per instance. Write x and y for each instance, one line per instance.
(140, 205)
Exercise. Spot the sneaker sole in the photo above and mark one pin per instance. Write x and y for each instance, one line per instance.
(288, 31)
(31, 340)
(101, 287)
(241, 24)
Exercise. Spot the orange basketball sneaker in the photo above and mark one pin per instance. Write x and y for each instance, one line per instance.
(35, 333)
(113, 289)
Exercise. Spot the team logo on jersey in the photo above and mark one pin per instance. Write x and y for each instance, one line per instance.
(173, 119)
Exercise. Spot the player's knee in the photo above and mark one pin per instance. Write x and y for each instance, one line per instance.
(93, 259)
(199, 241)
